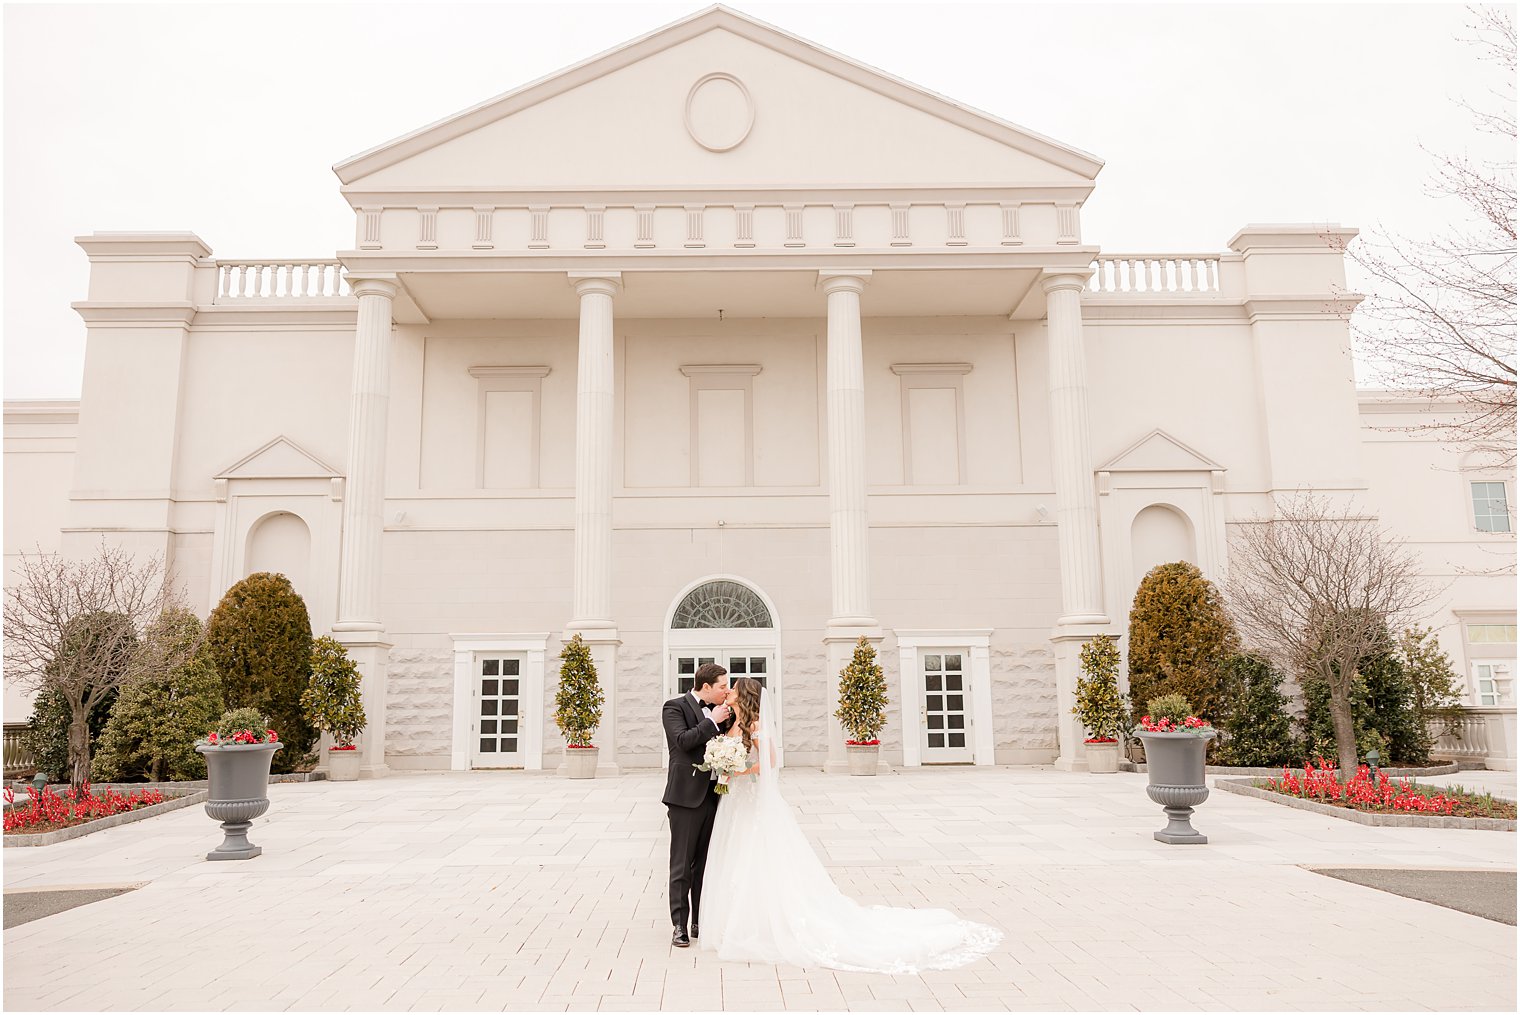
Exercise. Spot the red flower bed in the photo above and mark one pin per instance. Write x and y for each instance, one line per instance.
(863, 743)
(48, 811)
(1382, 795)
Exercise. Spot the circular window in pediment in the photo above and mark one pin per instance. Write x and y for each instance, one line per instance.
(719, 112)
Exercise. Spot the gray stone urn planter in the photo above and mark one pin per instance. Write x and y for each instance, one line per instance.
(343, 766)
(863, 758)
(1102, 758)
(238, 787)
(1174, 763)
(580, 762)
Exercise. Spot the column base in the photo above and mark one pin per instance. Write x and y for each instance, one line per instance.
(1066, 640)
(370, 650)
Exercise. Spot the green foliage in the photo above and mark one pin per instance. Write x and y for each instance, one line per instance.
(260, 641)
(862, 695)
(92, 643)
(249, 720)
(47, 737)
(1318, 729)
(1435, 690)
(578, 702)
(1174, 707)
(332, 702)
(1179, 637)
(1390, 704)
(1258, 729)
(155, 723)
(1100, 708)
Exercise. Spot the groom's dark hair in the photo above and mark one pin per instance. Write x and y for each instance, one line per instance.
(708, 673)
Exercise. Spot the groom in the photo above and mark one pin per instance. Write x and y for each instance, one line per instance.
(690, 721)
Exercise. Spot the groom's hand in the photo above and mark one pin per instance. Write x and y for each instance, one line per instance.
(720, 715)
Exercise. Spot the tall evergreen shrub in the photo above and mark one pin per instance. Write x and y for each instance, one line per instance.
(1179, 638)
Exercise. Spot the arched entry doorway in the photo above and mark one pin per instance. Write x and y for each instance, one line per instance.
(723, 619)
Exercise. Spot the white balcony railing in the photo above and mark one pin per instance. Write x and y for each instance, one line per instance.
(244, 280)
(1485, 737)
(1155, 273)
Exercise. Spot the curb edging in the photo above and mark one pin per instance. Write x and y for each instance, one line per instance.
(126, 817)
(1243, 787)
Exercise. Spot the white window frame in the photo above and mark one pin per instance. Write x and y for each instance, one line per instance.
(1476, 653)
(505, 378)
(1509, 502)
(466, 648)
(933, 375)
(975, 643)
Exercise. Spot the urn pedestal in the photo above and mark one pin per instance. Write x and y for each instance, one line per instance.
(1174, 763)
(238, 791)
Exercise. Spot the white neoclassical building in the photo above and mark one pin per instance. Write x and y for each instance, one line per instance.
(785, 352)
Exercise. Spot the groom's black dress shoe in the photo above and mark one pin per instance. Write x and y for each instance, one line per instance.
(679, 938)
(693, 930)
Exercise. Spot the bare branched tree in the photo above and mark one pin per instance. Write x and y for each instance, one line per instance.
(1441, 319)
(1318, 589)
(72, 626)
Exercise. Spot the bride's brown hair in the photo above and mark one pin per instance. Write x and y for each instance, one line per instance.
(746, 707)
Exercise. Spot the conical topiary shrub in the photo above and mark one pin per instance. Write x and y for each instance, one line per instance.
(1180, 637)
(259, 637)
(862, 697)
(578, 702)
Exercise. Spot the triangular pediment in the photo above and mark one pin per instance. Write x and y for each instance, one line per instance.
(281, 458)
(1159, 451)
(717, 99)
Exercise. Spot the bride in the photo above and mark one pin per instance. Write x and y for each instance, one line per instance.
(767, 898)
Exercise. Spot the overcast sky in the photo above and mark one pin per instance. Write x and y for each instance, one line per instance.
(225, 120)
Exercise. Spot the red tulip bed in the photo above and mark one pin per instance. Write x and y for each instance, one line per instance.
(1382, 795)
(49, 811)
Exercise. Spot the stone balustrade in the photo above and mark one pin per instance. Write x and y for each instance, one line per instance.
(18, 760)
(1155, 273)
(1484, 739)
(241, 280)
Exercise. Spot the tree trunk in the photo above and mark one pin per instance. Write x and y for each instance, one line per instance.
(79, 748)
(1345, 730)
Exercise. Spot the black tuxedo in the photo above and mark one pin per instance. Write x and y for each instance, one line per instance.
(691, 800)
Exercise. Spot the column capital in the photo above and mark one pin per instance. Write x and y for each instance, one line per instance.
(606, 283)
(374, 285)
(843, 281)
(1059, 279)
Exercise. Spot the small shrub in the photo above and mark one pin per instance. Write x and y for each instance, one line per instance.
(1099, 706)
(1258, 729)
(153, 727)
(1436, 692)
(260, 641)
(1173, 708)
(242, 726)
(1179, 637)
(862, 696)
(578, 702)
(333, 701)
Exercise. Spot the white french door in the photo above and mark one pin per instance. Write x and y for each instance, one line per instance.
(946, 734)
(757, 663)
(496, 739)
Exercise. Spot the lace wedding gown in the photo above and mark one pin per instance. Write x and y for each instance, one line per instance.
(766, 897)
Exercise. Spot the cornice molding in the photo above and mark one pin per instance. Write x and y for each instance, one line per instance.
(136, 314)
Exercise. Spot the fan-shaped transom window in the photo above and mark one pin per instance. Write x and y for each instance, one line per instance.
(721, 604)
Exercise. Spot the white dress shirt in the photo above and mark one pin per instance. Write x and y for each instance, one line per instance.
(706, 710)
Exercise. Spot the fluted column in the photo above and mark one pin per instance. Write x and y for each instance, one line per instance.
(360, 627)
(849, 531)
(364, 487)
(1082, 613)
(591, 602)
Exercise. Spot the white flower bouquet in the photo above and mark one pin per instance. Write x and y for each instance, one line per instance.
(726, 756)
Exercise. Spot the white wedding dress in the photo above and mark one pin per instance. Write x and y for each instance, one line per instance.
(766, 896)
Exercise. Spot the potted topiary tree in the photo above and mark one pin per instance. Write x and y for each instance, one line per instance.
(578, 708)
(1099, 707)
(238, 753)
(862, 708)
(332, 703)
(1174, 741)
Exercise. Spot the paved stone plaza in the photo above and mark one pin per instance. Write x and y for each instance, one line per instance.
(492, 891)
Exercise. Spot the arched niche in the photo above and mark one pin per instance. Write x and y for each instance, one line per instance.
(1161, 534)
(280, 542)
